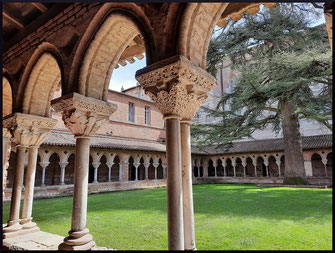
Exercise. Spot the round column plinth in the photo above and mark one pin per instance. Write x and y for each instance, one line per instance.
(12, 226)
(78, 240)
(27, 223)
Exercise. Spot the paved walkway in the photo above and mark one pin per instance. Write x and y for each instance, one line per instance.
(36, 241)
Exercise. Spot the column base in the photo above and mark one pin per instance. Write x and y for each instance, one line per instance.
(19, 232)
(78, 240)
(27, 223)
(12, 226)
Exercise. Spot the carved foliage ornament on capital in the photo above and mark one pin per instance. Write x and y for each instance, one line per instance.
(176, 85)
(28, 130)
(83, 115)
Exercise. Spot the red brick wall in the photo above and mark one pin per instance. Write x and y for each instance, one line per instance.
(119, 126)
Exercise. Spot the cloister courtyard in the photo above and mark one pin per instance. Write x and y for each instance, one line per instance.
(167, 126)
(227, 217)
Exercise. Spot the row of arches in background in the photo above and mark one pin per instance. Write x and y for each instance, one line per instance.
(52, 172)
(319, 169)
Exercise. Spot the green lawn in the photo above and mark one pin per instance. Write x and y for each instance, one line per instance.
(227, 217)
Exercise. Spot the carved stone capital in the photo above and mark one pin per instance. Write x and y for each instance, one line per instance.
(176, 85)
(6, 133)
(83, 115)
(28, 130)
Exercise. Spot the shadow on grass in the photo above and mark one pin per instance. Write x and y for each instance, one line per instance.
(209, 200)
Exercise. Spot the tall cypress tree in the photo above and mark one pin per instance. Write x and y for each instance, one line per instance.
(284, 71)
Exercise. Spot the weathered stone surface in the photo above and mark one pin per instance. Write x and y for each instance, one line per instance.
(27, 129)
(33, 241)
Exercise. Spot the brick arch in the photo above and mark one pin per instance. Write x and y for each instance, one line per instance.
(40, 79)
(7, 97)
(109, 33)
(197, 24)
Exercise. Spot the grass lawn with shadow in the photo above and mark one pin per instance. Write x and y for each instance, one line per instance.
(227, 217)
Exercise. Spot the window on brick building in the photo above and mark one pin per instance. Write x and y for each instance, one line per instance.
(131, 112)
(147, 115)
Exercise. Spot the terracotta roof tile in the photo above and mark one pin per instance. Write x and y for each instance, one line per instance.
(268, 145)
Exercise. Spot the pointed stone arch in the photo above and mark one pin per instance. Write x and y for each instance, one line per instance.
(99, 51)
(7, 97)
(43, 74)
(197, 24)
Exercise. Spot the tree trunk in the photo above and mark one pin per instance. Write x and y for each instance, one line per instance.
(294, 160)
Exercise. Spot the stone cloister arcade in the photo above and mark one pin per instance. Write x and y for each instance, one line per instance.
(77, 46)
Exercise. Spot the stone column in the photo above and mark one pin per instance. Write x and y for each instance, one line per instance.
(156, 164)
(266, 163)
(164, 170)
(254, 161)
(278, 162)
(96, 166)
(215, 164)
(197, 164)
(324, 161)
(188, 213)
(13, 223)
(43, 165)
(28, 131)
(124, 167)
(224, 164)
(110, 165)
(62, 172)
(234, 168)
(244, 164)
(146, 168)
(178, 89)
(137, 164)
(82, 116)
(205, 167)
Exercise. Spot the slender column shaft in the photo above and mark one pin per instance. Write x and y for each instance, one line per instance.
(17, 186)
(224, 171)
(279, 173)
(255, 165)
(174, 185)
(110, 172)
(79, 210)
(156, 171)
(146, 171)
(29, 187)
(43, 175)
(188, 213)
(234, 167)
(244, 170)
(324, 161)
(62, 172)
(95, 173)
(267, 170)
(215, 171)
(136, 171)
(164, 170)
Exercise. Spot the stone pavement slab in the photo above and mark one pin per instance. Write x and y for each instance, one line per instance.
(33, 241)
(37, 241)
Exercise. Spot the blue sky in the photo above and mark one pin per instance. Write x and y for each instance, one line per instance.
(125, 76)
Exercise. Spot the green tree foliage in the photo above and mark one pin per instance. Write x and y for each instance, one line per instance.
(279, 59)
